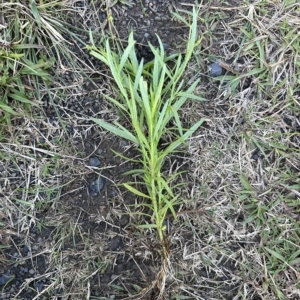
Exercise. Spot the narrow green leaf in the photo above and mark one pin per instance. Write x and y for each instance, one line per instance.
(295, 261)
(190, 96)
(7, 108)
(117, 103)
(274, 253)
(170, 206)
(132, 56)
(14, 55)
(137, 80)
(99, 56)
(21, 98)
(24, 202)
(35, 12)
(166, 187)
(158, 91)
(177, 105)
(115, 70)
(134, 172)
(245, 183)
(146, 226)
(126, 53)
(141, 205)
(116, 130)
(177, 121)
(159, 128)
(135, 191)
(26, 46)
(146, 101)
(183, 138)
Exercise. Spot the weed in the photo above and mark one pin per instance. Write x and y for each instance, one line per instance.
(151, 96)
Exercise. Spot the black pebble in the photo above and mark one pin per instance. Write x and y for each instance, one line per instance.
(105, 279)
(102, 16)
(124, 221)
(255, 154)
(80, 4)
(39, 286)
(115, 243)
(6, 277)
(216, 70)
(94, 161)
(97, 185)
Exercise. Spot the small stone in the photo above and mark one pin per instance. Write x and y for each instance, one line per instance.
(31, 179)
(97, 185)
(94, 161)
(6, 277)
(116, 243)
(39, 286)
(146, 35)
(99, 151)
(124, 221)
(80, 4)
(119, 268)
(102, 17)
(31, 271)
(113, 276)
(255, 154)
(25, 250)
(216, 70)
(105, 279)
(51, 120)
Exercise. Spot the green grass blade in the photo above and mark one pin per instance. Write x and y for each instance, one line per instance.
(127, 52)
(116, 130)
(174, 145)
(146, 226)
(135, 191)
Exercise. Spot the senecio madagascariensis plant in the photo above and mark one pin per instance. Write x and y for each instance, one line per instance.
(150, 96)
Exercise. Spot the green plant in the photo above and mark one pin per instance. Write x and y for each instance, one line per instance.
(23, 63)
(31, 42)
(150, 97)
(15, 69)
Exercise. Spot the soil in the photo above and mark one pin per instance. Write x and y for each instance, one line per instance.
(95, 227)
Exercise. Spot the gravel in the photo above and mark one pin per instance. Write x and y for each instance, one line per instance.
(115, 243)
(6, 277)
(215, 70)
(255, 154)
(39, 286)
(94, 161)
(31, 271)
(97, 185)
